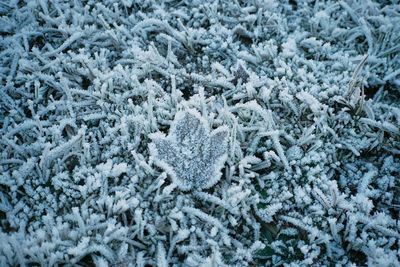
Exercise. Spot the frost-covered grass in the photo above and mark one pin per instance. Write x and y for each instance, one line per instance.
(199, 133)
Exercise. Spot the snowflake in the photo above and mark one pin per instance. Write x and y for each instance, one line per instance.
(191, 154)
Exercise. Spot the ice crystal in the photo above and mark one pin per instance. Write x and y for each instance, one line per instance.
(191, 154)
(312, 107)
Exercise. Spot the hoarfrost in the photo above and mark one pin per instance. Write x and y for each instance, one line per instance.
(191, 154)
(307, 176)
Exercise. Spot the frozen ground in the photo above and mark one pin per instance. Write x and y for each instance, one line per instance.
(199, 133)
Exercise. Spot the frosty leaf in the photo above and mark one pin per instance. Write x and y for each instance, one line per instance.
(192, 154)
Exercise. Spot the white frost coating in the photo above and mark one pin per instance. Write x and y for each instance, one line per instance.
(289, 48)
(191, 154)
(119, 169)
(294, 153)
(325, 88)
(161, 255)
(310, 100)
